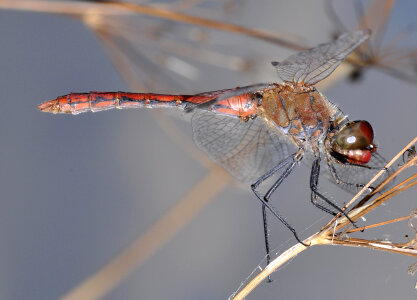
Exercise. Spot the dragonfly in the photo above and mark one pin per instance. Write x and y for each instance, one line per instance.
(261, 132)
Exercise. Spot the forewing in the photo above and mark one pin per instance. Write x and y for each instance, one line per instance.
(354, 177)
(313, 65)
(246, 149)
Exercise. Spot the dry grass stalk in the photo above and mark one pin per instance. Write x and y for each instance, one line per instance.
(393, 58)
(335, 232)
(109, 276)
(77, 9)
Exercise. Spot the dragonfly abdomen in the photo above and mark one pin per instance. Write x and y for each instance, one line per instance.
(76, 103)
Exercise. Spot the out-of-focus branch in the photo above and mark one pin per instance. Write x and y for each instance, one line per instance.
(110, 275)
(80, 9)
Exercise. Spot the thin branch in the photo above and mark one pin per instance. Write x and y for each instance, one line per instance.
(269, 269)
(330, 234)
(110, 275)
(375, 245)
(378, 224)
(78, 9)
(203, 22)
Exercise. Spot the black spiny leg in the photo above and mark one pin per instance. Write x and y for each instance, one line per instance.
(291, 161)
(266, 233)
(314, 182)
(264, 177)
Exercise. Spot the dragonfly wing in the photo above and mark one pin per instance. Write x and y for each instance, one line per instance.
(246, 149)
(314, 65)
(352, 178)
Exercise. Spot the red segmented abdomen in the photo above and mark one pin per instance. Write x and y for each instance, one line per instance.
(242, 106)
(76, 103)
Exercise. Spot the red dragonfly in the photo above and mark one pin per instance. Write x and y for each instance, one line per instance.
(262, 130)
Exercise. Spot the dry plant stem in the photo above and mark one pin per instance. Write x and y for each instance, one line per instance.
(109, 276)
(269, 269)
(404, 185)
(375, 245)
(83, 10)
(80, 9)
(54, 7)
(88, 11)
(316, 239)
(377, 224)
(329, 234)
(208, 23)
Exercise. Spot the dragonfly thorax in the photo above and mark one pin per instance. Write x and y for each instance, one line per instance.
(301, 113)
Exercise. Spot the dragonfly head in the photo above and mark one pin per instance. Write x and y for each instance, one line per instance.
(353, 143)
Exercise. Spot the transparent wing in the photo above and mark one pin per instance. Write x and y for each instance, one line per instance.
(246, 150)
(313, 65)
(353, 178)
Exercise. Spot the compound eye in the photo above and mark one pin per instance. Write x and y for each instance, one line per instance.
(354, 142)
(355, 136)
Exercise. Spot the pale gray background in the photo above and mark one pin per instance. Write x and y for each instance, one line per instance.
(75, 191)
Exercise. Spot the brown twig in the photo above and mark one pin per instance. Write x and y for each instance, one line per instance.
(331, 234)
(377, 224)
(78, 9)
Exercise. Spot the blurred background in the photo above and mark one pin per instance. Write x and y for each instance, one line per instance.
(79, 191)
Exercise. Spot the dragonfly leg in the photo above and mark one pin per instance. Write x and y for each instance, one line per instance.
(291, 161)
(314, 183)
(280, 165)
(271, 172)
(266, 238)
